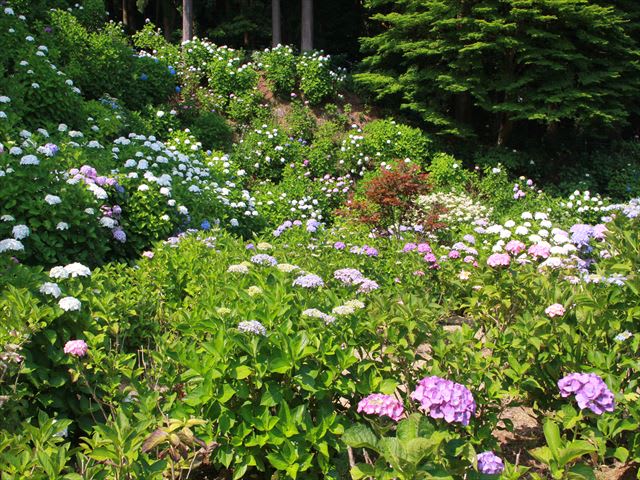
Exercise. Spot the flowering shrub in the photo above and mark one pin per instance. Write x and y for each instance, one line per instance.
(279, 66)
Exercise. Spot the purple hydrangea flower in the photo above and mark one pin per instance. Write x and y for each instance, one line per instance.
(119, 235)
(424, 248)
(312, 225)
(369, 251)
(409, 247)
(590, 390)
(581, 234)
(490, 464)
(309, 281)
(441, 398)
(368, 285)
(339, 246)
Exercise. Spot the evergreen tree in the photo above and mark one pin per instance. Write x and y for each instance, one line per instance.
(516, 62)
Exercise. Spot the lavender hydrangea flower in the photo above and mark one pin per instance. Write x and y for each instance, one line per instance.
(348, 276)
(490, 464)
(339, 246)
(252, 326)
(381, 405)
(309, 281)
(441, 398)
(590, 391)
(581, 234)
(367, 286)
(264, 259)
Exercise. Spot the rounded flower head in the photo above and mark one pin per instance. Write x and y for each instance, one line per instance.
(381, 405)
(20, 231)
(76, 348)
(252, 326)
(264, 259)
(441, 398)
(349, 276)
(70, 304)
(49, 288)
(490, 464)
(499, 260)
(11, 244)
(555, 310)
(541, 250)
(308, 281)
(590, 391)
(514, 247)
(77, 270)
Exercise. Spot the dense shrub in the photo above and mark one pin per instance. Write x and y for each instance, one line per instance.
(212, 130)
(279, 67)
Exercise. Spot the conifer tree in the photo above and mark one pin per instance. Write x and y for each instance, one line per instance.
(514, 63)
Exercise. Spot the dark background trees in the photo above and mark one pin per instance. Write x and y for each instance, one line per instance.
(337, 24)
(517, 73)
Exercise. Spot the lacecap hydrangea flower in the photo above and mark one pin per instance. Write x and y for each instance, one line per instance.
(489, 463)
(590, 391)
(441, 398)
(382, 405)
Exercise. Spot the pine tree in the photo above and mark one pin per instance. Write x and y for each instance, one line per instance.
(511, 63)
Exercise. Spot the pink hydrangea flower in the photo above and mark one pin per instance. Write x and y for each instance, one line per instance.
(499, 260)
(514, 247)
(382, 405)
(555, 310)
(539, 250)
(148, 254)
(77, 348)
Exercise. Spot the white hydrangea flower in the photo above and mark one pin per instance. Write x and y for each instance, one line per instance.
(11, 245)
(77, 270)
(20, 231)
(50, 288)
(70, 304)
(52, 199)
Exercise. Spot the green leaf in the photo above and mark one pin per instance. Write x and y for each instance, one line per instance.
(362, 470)
(581, 472)
(360, 436)
(552, 435)
(574, 451)
(241, 372)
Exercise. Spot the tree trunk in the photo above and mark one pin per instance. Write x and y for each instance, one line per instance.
(463, 108)
(125, 13)
(307, 25)
(276, 25)
(187, 20)
(504, 131)
(168, 19)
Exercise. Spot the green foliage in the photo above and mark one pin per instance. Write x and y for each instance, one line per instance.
(318, 81)
(300, 122)
(279, 66)
(447, 173)
(540, 63)
(103, 62)
(211, 130)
